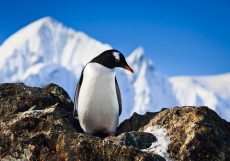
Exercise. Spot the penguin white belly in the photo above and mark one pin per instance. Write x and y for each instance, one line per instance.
(98, 108)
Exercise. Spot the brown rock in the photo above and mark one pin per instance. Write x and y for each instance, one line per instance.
(37, 124)
(19, 98)
(135, 122)
(196, 133)
(47, 131)
(139, 140)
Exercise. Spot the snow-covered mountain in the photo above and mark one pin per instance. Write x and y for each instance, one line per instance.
(46, 51)
(212, 91)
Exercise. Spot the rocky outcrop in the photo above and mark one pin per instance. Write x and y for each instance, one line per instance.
(37, 124)
(16, 98)
(195, 133)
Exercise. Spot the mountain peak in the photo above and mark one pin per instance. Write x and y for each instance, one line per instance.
(137, 54)
(47, 51)
(44, 21)
(137, 59)
(29, 30)
(47, 40)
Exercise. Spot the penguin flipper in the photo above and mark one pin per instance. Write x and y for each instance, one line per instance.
(76, 95)
(118, 96)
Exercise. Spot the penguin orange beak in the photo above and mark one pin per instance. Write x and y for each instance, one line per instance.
(128, 68)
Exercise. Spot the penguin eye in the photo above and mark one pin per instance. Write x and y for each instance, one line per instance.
(116, 56)
(117, 60)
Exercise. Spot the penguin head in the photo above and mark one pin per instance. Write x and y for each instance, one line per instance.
(112, 59)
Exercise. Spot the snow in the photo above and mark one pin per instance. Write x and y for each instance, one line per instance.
(42, 74)
(211, 91)
(152, 90)
(47, 40)
(46, 51)
(161, 145)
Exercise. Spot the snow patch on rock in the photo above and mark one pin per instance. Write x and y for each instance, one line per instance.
(161, 145)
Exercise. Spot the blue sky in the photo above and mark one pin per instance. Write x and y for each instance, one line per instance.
(189, 37)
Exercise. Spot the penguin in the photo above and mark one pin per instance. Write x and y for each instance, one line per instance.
(98, 96)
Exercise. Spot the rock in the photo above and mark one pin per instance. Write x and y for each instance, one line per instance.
(19, 98)
(43, 136)
(37, 124)
(139, 140)
(195, 133)
(135, 122)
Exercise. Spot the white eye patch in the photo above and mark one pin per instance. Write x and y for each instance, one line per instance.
(116, 55)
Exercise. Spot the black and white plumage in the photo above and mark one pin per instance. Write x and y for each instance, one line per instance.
(98, 95)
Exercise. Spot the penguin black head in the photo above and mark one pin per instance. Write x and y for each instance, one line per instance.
(112, 59)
